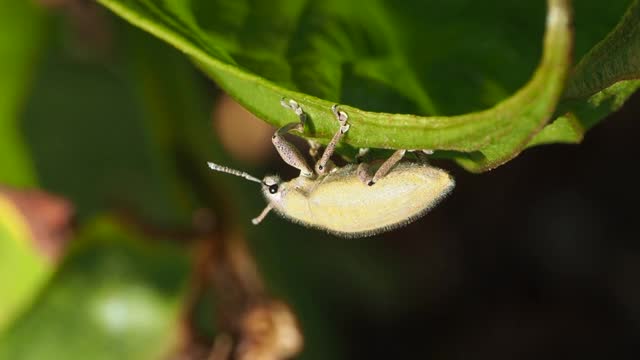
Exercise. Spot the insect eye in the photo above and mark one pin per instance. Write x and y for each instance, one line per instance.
(273, 188)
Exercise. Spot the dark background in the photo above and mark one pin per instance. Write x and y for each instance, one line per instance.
(536, 259)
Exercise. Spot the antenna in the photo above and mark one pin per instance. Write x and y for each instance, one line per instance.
(235, 172)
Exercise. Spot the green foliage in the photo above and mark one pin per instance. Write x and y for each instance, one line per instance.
(408, 58)
(601, 82)
(612, 60)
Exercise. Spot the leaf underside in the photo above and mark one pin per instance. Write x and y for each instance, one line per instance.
(411, 75)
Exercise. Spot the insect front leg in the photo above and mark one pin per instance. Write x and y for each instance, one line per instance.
(288, 152)
(321, 165)
(258, 219)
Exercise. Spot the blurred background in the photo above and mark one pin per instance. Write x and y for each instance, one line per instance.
(116, 242)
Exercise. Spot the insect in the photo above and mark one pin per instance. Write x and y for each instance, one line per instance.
(352, 200)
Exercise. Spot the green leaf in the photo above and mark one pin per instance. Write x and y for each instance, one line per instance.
(308, 51)
(580, 115)
(384, 60)
(612, 60)
(601, 82)
(21, 35)
(116, 296)
(23, 268)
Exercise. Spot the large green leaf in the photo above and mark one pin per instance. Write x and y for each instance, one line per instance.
(325, 52)
(386, 60)
(21, 30)
(116, 296)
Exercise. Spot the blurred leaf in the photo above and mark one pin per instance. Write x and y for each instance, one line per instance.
(21, 35)
(24, 268)
(91, 142)
(176, 108)
(116, 296)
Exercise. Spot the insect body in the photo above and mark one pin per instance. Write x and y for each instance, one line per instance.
(348, 200)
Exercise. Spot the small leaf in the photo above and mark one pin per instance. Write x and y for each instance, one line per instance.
(581, 115)
(612, 60)
(601, 82)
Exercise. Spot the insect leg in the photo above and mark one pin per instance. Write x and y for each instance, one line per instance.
(387, 166)
(363, 167)
(293, 105)
(363, 173)
(321, 165)
(313, 149)
(422, 155)
(263, 214)
(289, 153)
(362, 152)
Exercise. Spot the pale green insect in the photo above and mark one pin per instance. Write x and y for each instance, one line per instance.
(348, 201)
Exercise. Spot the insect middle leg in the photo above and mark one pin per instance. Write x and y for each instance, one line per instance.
(321, 165)
(288, 152)
(314, 148)
(423, 155)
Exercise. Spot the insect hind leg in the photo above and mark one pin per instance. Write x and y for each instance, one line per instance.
(368, 179)
(383, 170)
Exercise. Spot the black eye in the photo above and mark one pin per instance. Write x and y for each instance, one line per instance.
(273, 188)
